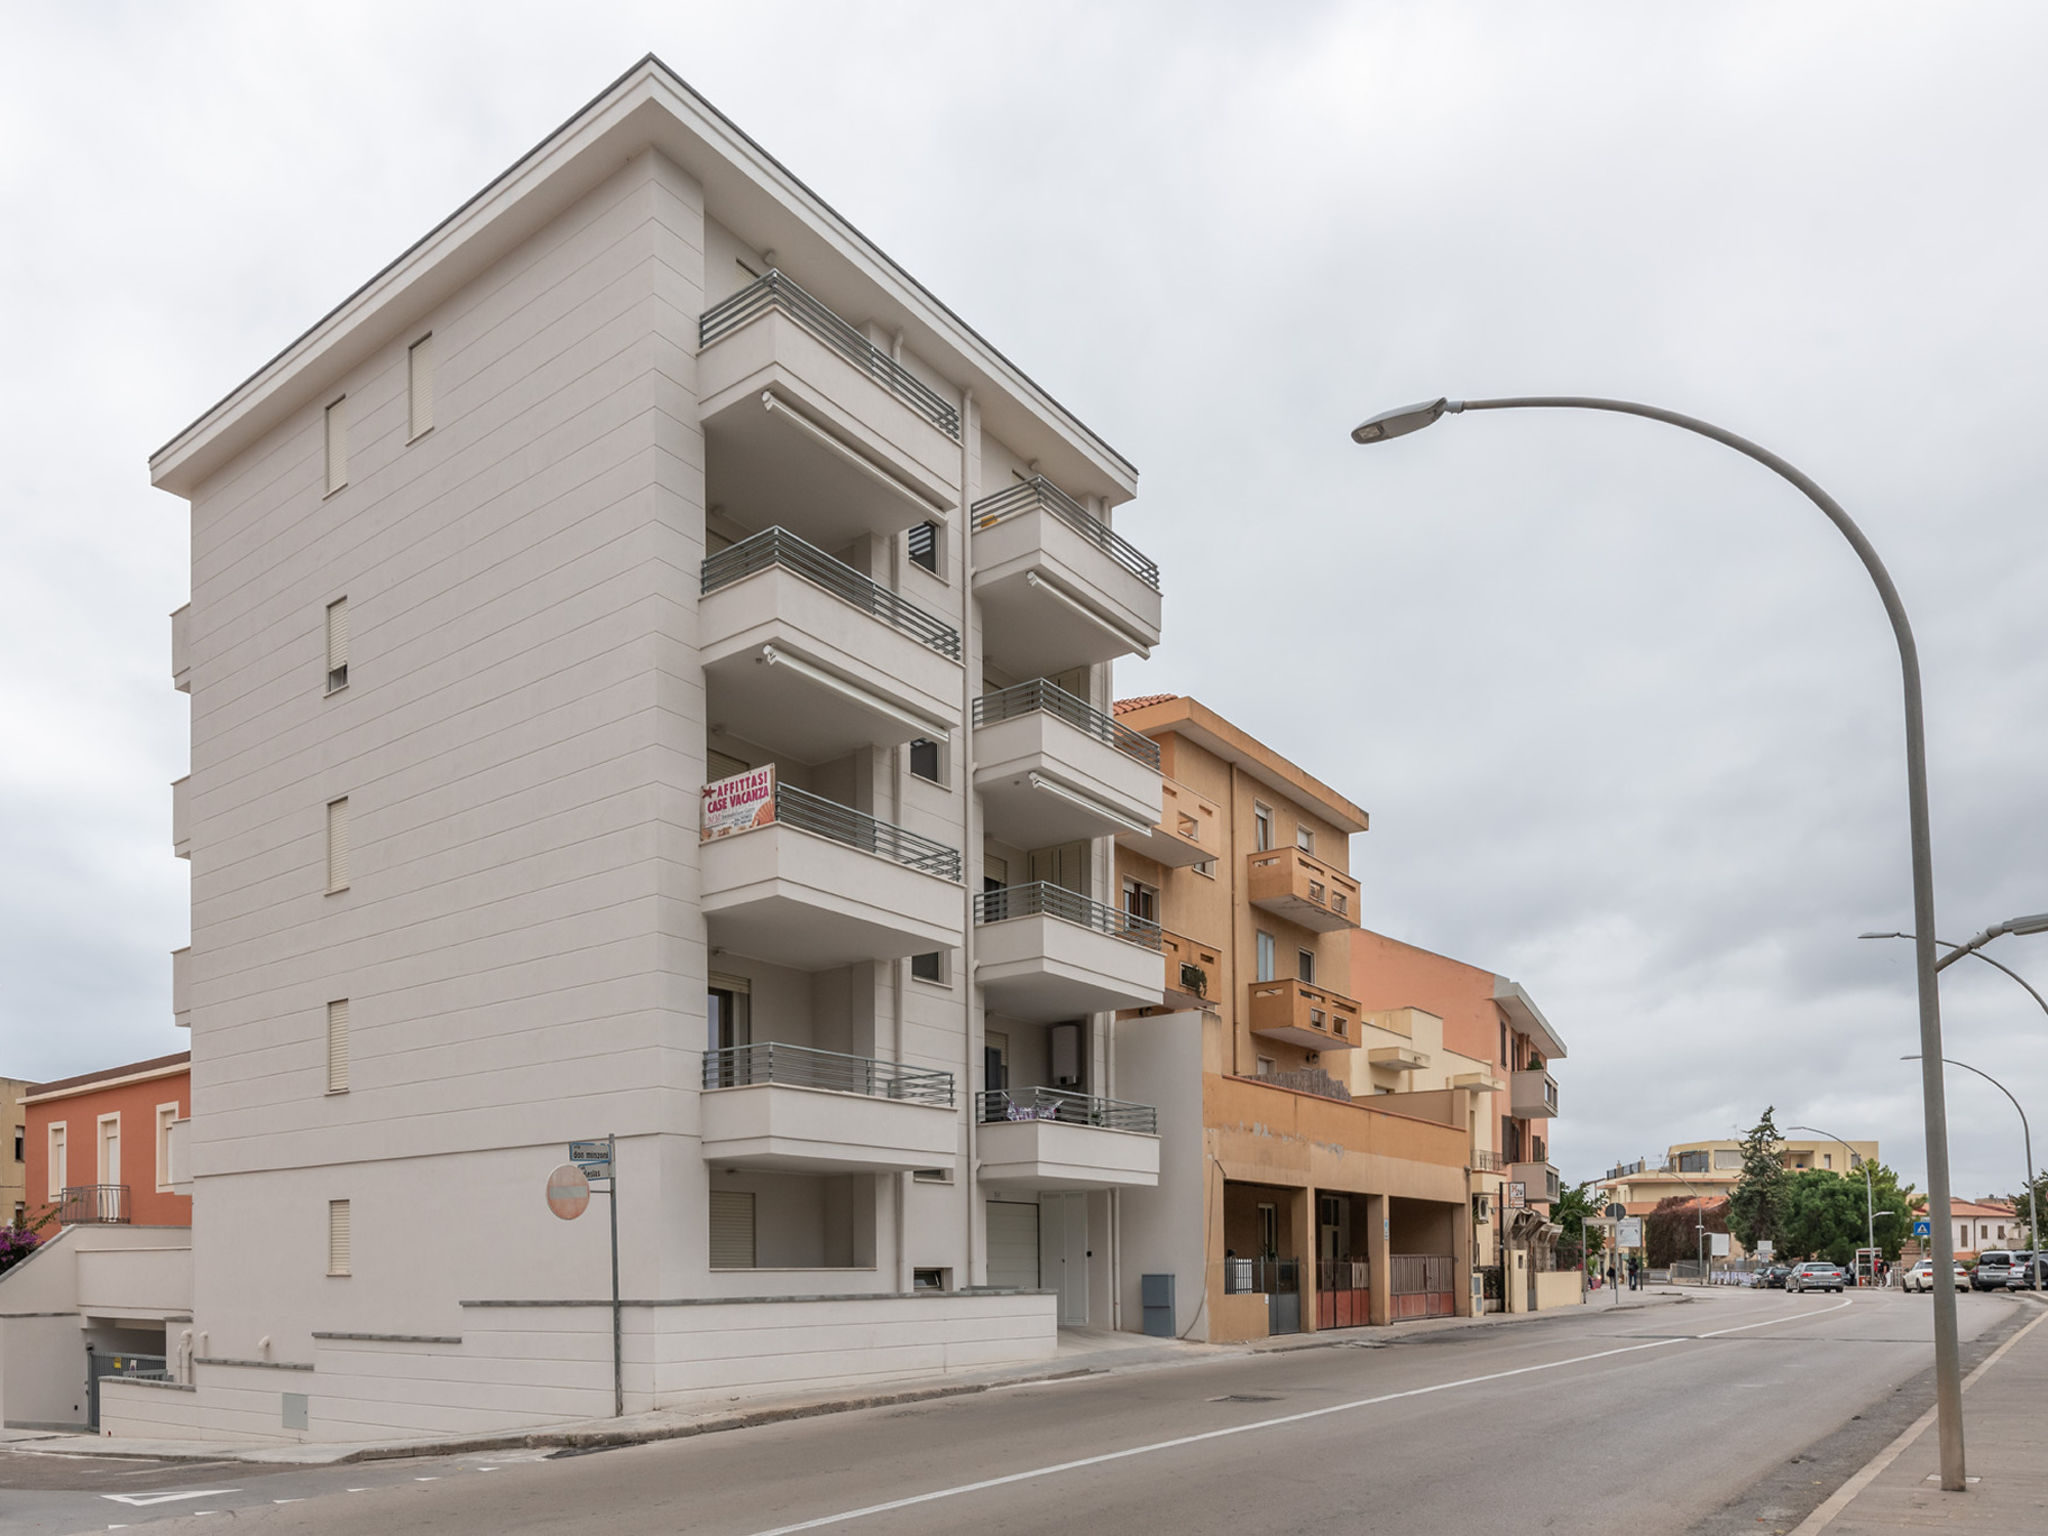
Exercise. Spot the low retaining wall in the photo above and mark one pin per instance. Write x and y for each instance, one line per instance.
(1559, 1288)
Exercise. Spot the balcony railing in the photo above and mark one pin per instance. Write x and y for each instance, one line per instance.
(81, 1204)
(997, 1105)
(1040, 899)
(1484, 1161)
(807, 812)
(778, 546)
(774, 290)
(1190, 967)
(799, 1066)
(1041, 696)
(1040, 492)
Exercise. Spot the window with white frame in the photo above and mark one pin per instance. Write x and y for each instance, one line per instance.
(340, 1239)
(337, 844)
(419, 387)
(166, 1117)
(1266, 958)
(1305, 965)
(338, 1045)
(926, 760)
(59, 1169)
(337, 445)
(1305, 839)
(1262, 827)
(337, 645)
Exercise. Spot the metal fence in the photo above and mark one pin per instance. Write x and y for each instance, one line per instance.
(1041, 696)
(828, 818)
(800, 1066)
(1485, 1161)
(1039, 492)
(84, 1204)
(1041, 899)
(1260, 1277)
(1413, 1274)
(780, 547)
(775, 290)
(1002, 1104)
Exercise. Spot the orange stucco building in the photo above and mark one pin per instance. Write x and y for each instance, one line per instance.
(107, 1146)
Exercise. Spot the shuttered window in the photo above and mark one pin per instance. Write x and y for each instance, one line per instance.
(732, 1229)
(419, 373)
(337, 1238)
(337, 445)
(337, 645)
(337, 845)
(337, 1046)
(58, 1169)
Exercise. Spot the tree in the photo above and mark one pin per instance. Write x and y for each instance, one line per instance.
(1756, 1204)
(2019, 1204)
(1570, 1211)
(1823, 1215)
(1887, 1193)
(1671, 1231)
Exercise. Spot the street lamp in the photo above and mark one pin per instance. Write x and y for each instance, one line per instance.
(2033, 1210)
(1869, 1189)
(1948, 1386)
(2037, 924)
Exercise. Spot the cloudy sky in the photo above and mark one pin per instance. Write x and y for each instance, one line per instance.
(1623, 707)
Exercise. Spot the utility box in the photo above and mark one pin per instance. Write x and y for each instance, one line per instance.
(1155, 1293)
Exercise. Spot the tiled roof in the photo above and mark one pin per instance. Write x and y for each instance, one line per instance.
(1142, 701)
(176, 1059)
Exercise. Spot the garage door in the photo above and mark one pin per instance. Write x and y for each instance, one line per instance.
(1013, 1244)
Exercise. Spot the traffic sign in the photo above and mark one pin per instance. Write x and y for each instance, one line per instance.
(1765, 1248)
(1923, 1229)
(568, 1192)
(593, 1157)
(1616, 1210)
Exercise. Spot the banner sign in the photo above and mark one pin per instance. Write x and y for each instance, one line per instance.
(1717, 1244)
(1515, 1195)
(737, 804)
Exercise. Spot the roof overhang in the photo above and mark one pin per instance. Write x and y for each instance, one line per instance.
(1182, 715)
(1514, 1001)
(651, 108)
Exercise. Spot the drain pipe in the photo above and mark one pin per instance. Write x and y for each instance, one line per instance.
(970, 854)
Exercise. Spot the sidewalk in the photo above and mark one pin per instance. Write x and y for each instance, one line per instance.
(1081, 1352)
(2003, 1443)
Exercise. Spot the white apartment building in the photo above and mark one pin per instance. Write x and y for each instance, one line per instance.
(646, 471)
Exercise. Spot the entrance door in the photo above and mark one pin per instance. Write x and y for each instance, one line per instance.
(1013, 1245)
(1063, 1253)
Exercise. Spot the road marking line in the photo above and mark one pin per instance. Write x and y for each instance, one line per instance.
(1290, 1418)
(139, 1499)
(1842, 1497)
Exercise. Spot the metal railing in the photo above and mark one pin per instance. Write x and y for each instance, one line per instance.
(1040, 899)
(81, 1204)
(996, 1105)
(807, 812)
(799, 1066)
(1041, 492)
(1417, 1274)
(776, 290)
(778, 546)
(1042, 696)
(1252, 1277)
(1484, 1161)
(1343, 1275)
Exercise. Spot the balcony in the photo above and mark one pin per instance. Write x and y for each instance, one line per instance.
(181, 987)
(81, 1205)
(772, 1105)
(1396, 1058)
(181, 821)
(1302, 889)
(119, 1279)
(1044, 952)
(1051, 769)
(181, 654)
(1304, 1014)
(1540, 1180)
(804, 654)
(817, 885)
(1045, 1138)
(1189, 829)
(809, 425)
(1194, 972)
(1532, 1095)
(1059, 588)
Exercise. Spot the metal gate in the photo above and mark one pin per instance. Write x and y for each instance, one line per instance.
(1343, 1293)
(99, 1367)
(1422, 1285)
(1280, 1282)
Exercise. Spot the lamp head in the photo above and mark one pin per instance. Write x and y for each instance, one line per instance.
(2038, 923)
(1882, 935)
(1403, 420)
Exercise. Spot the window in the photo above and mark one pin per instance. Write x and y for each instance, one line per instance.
(337, 844)
(1269, 1231)
(338, 1238)
(1305, 839)
(924, 546)
(20, 1143)
(931, 1176)
(337, 446)
(337, 645)
(1265, 1067)
(1265, 960)
(1141, 900)
(166, 1117)
(732, 1229)
(419, 380)
(1827, 1160)
(337, 1046)
(58, 1171)
(931, 967)
(1305, 965)
(728, 1009)
(1262, 827)
(110, 1149)
(1206, 869)
(930, 1280)
(924, 759)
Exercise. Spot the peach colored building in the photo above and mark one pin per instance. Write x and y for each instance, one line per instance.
(14, 1156)
(1285, 1200)
(104, 1146)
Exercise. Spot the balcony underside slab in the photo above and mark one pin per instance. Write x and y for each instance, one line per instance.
(1049, 1154)
(1115, 789)
(793, 898)
(1038, 969)
(815, 1130)
(1030, 631)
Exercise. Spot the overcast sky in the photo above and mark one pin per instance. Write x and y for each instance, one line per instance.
(1623, 707)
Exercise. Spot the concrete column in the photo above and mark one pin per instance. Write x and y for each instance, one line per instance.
(1304, 1224)
(1380, 1309)
(1461, 1250)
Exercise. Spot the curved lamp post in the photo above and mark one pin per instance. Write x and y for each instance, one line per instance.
(1948, 1387)
(1869, 1189)
(2026, 1133)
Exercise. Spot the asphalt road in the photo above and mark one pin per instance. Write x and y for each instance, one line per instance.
(1736, 1410)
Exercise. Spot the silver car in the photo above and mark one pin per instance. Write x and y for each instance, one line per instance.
(1816, 1275)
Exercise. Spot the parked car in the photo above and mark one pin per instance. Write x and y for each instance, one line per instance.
(2029, 1272)
(1994, 1268)
(1774, 1276)
(1921, 1277)
(1816, 1275)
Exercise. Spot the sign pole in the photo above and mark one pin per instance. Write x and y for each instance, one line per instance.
(611, 1189)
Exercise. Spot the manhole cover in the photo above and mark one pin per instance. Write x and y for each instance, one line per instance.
(1244, 1397)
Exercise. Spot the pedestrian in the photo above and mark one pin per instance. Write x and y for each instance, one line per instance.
(1635, 1272)
(1610, 1273)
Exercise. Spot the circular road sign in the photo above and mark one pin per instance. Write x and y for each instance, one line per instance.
(568, 1192)
(1616, 1210)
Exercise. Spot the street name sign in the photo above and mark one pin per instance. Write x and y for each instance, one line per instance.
(593, 1157)
(568, 1192)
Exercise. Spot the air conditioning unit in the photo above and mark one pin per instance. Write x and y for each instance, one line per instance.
(1482, 1207)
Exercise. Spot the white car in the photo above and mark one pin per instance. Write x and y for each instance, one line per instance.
(1921, 1277)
